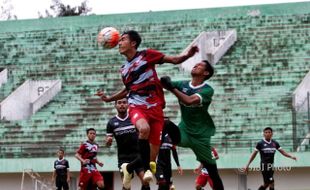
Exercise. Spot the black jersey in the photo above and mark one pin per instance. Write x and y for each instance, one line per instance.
(61, 167)
(267, 150)
(126, 136)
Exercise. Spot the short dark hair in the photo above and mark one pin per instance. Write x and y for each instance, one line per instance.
(120, 99)
(267, 128)
(61, 149)
(90, 129)
(208, 68)
(133, 36)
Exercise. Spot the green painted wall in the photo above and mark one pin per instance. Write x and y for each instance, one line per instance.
(253, 81)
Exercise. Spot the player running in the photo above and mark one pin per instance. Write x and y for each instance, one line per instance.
(267, 148)
(87, 155)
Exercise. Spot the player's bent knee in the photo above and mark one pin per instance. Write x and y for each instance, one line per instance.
(144, 132)
(100, 185)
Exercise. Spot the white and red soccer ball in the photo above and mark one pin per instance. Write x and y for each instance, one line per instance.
(108, 37)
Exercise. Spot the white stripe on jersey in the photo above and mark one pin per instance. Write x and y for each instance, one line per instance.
(167, 144)
(142, 77)
(124, 128)
(269, 149)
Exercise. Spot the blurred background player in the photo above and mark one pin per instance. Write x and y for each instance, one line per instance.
(126, 135)
(164, 171)
(145, 94)
(203, 176)
(267, 148)
(87, 155)
(61, 172)
(196, 126)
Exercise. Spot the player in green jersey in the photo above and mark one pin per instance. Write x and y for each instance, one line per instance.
(196, 126)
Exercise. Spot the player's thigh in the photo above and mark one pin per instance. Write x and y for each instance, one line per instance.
(156, 122)
(202, 149)
(85, 177)
(185, 141)
(160, 175)
(97, 178)
(268, 176)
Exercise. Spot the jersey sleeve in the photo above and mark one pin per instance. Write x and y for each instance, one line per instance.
(81, 149)
(154, 57)
(257, 148)
(55, 165)
(67, 164)
(278, 147)
(206, 94)
(177, 84)
(109, 129)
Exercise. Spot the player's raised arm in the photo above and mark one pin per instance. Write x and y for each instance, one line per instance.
(185, 99)
(180, 58)
(119, 95)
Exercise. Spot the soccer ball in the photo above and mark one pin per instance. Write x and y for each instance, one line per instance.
(108, 37)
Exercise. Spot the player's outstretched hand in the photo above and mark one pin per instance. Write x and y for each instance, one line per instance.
(180, 170)
(192, 51)
(166, 83)
(102, 96)
(100, 164)
(108, 141)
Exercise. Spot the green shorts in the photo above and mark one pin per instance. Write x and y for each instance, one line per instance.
(200, 146)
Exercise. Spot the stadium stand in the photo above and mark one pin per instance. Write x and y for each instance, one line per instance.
(253, 84)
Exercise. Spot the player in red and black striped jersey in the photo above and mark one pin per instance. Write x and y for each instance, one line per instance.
(267, 148)
(87, 155)
(126, 136)
(145, 94)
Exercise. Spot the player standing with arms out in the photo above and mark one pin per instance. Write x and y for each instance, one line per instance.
(145, 94)
(267, 148)
(87, 155)
(61, 172)
(126, 135)
(196, 126)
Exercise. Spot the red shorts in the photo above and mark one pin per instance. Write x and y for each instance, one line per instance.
(155, 118)
(87, 177)
(203, 179)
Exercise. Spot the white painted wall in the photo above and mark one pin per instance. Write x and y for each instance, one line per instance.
(300, 94)
(3, 76)
(28, 98)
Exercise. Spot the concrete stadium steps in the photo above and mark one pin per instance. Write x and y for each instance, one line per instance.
(253, 81)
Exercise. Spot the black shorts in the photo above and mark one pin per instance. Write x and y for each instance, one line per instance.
(163, 174)
(267, 172)
(61, 183)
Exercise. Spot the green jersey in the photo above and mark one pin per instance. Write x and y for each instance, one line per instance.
(195, 119)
